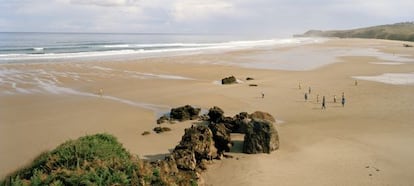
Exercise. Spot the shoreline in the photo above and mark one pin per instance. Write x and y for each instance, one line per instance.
(376, 117)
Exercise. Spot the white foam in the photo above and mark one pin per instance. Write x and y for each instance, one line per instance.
(390, 78)
(146, 50)
(386, 63)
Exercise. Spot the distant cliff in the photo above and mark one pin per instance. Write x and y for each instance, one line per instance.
(399, 31)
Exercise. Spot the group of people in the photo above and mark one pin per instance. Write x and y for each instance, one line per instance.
(323, 97)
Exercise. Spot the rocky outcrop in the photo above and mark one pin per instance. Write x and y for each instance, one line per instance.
(228, 80)
(186, 112)
(196, 144)
(262, 115)
(221, 137)
(261, 137)
(241, 123)
(215, 114)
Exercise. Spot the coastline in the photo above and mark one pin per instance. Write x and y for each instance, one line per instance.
(317, 146)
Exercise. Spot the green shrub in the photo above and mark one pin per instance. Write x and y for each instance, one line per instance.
(91, 160)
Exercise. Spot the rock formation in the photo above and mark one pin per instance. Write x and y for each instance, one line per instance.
(196, 144)
(261, 137)
(215, 114)
(228, 80)
(221, 137)
(262, 115)
(186, 112)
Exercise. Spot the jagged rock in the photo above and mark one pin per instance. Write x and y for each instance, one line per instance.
(162, 119)
(215, 114)
(186, 112)
(262, 115)
(221, 136)
(262, 137)
(249, 78)
(185, 159)
(241, 122)
(197, 141)
(228, 80)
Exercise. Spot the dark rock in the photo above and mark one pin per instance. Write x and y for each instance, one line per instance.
(161, 129)
(262, 137)
(249, 78)
(241, 123)
(199, 141)
(253, 85)
(162, 119)
(145, 133)
(407, 45)
(262, 115)
(186, 112)
(215, 114)
(185, 159)
(221, 136)
(228, 80)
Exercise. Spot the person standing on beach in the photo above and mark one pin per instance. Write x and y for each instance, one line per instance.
(310, 90)
(306, 96)
(334, 98)
(323, 103)
(343, 101)
(262, 95)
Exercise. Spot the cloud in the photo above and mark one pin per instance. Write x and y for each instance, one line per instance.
(194, 10)
(106, 3)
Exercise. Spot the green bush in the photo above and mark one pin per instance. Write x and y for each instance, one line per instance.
(91, 160)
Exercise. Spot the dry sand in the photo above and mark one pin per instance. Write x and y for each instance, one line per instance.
(368, 142)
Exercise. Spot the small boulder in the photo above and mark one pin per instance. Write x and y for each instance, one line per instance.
(262, 115)
(262, 137)
(186, 112)
(161, 129)
(228, 80)
(253, 85)
(249, 78)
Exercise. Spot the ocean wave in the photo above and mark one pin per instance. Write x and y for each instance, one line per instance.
(103, 49)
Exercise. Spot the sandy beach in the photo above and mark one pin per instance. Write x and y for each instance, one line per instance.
(367, 142)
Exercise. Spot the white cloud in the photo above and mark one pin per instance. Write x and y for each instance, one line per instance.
(190, 10)
(106, 2)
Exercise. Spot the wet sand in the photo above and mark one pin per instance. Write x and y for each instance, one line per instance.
(51, 103)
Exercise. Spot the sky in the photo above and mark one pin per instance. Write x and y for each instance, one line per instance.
(260, 17)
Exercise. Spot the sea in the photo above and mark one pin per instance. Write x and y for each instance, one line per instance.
(18, 47)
